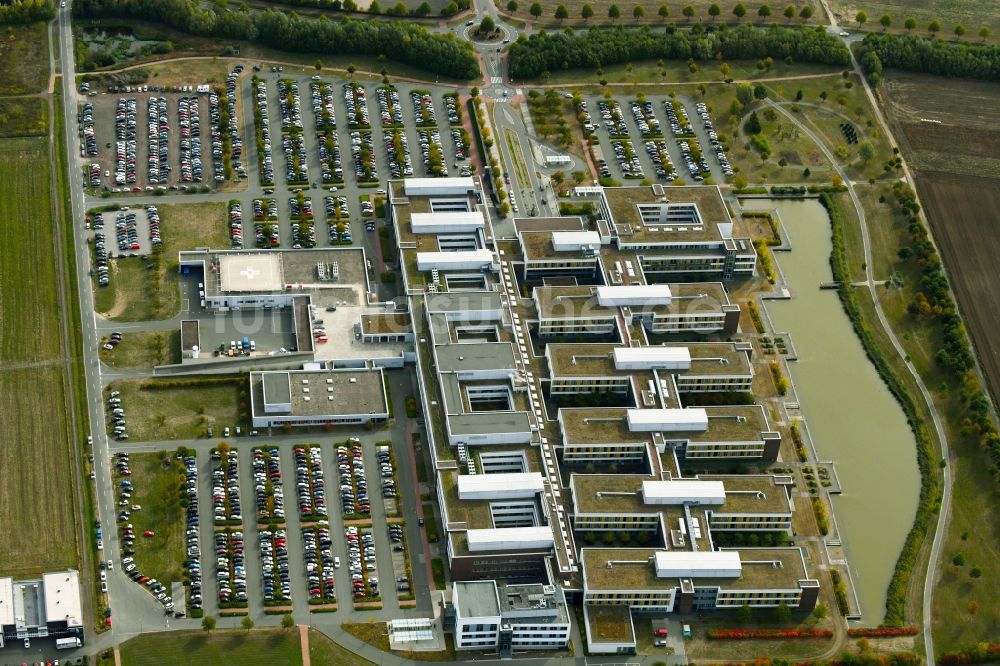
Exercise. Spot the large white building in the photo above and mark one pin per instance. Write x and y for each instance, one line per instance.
(45, 608)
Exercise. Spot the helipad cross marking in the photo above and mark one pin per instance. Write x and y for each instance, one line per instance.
(249, 272)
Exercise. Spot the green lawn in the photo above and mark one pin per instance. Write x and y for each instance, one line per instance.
(325, 652)
(158, 484)
(37, 499)
(969, 13)
(145, 349)
(260, 647)
(149, 288)
(23, 116)
(24, 51)
(177, 413)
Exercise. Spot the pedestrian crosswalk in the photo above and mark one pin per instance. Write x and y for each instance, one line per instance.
(496, 79)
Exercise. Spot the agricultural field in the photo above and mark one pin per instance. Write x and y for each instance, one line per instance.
(177, 412)
(651, 10)
(261, 647)
(158, 484)
(144, 288)
(952, 149)
(970, 13)
(36, 454)
(24, 50)
(23, 116)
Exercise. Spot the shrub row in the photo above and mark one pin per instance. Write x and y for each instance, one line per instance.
(840, 591)
(929, 490)
(739, 634)
(882, 632)
(980, 653)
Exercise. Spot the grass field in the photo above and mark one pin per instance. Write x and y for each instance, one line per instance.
(652, 7)
(36, 456)
(23, 116)
(177, 413)
(325, 652)
(24, 50)
(969, 13)
(145, 349)
(157, 486)
(261, 647)
(140, 293)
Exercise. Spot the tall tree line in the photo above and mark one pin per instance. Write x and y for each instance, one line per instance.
(403, 42)
(25, 11)
(932, 56)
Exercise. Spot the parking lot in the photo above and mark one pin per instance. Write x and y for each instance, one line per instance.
(655, 138)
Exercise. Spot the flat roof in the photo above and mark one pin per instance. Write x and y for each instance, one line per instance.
(277, 388)
(455, 258)
(457, 219)
(610, 623)
(475, 514)
(442, 186)
(561, 223)
(475, 357)
(683, 491)
(459, 301)
(729, 423)
(672, 358)
(477, 598)
(667, 420)
(508, 484)
(509, 538)
(582, 301)
(386, 323)
(715, 359)
(623, 205)
(484, 423)
(251, 273)
(62, 597)
(322, 393)
(6, 601)
(539, 245)
(634, 294)
(689, 564)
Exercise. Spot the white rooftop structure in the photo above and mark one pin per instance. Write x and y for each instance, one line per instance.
(634, 294)
(447, 222)
(569, 241)
(667, 420)
(509, 538)
(6, 602)
(697, 564)
(674, 492)
(463, 259)
(511, 485)
(438, 186)
(62, 597)
(646, 358)
(258, 272)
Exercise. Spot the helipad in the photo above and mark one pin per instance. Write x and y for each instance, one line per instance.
(250, 272)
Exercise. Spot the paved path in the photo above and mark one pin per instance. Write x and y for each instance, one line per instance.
(303, 641)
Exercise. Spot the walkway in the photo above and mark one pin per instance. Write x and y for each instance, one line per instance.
(303, 641)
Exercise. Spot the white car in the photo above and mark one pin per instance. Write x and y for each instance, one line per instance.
(844, 33)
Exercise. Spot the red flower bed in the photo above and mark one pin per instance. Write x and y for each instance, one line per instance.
(882, 632)
(976, 654)
(738, 634)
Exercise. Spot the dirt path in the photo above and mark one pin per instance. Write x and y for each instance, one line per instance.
(118, 657)
(303, 641)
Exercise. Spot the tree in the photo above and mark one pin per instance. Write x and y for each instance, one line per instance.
(975, 572)
(910, 23)
(664, 12)
(867, 151)
(782, 613)
(740, 10)
(789, 12)
(984, 33)
(725, 70)
(861, 17)
(806, 12)
(764, 11)
(474, 92)
(934, 27)
(820, 611)
(614, 12)
(759, 92)
(714, 10)
(744, 93)
(885, 21)
(512, 6)
(375, 7)
(488, 26)
(752, 125)
(318, 65)
(586, 12)
(562, 12)
(959, 30)
(744, 614)
(247, 623)
(638, 12)
(535, 9)
(424, 9)
(958, 560)
(287, 621)
(351, 69)
(208, 622)
(688, 12)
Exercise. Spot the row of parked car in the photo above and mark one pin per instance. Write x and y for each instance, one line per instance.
(158, 140)
(290, 105)
(357, 106)
(236, 143)
(331, 165)
(309, 482)
(267, 485)
(86, 132)
(320, 562)
(263, 133)
(236, 225)
(115, 410)
(645, 118)
(680, 126)
(363, 151)
(215, 128)
(127, 231)
(362, 561)
(265, 218)
(432, 152)
(189, 121)
(657, 151)
(713, 136)
(386, 471)
(230, 567)
(389, 107)
(614, 119)
(101, 269)
(628, 159)
(226, 505)
(423, 109)
(339, 232)
(398, 151)
(125, 124)
(153, 221)
(274, 565)
(322, 103)
(296, 168)
(193, 543)
(353, 482)
(303, 229)
(451, 109)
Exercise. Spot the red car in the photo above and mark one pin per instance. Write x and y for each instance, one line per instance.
(107, 622)
(149, 533)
